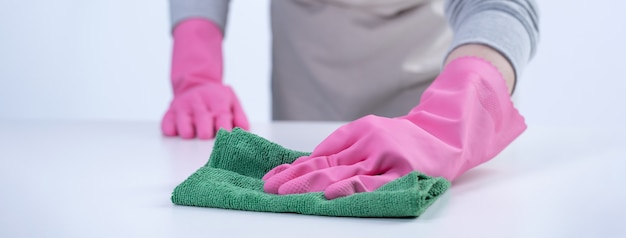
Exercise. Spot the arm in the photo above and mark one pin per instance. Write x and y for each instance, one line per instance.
(202, 104)
(465, 117)
(502, 32)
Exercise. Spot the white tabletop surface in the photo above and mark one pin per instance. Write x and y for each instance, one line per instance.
(114, 179)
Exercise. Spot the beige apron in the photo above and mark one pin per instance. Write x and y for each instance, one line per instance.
(343, 59)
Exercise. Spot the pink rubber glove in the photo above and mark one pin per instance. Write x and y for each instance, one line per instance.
(465, 118)
(202, 104)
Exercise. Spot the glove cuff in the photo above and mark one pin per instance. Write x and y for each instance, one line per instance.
(468, 107)
(197, 54)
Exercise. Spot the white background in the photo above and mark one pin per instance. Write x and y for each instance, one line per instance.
(109, 59)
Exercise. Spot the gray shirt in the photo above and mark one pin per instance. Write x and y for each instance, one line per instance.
(509, 26)
(332, 60)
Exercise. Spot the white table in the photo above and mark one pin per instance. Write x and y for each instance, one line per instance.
(114, 179)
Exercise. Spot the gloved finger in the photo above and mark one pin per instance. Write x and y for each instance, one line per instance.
(308, 164)
(184, 125)
(304, 159)
(352, 154)
(276, 170)
(168, 124)
(283, 167)
(223, 121)
(290, 172)
(222, 113)
(287, 173)
(203, 122)
(239, 117)
(356, 184)
(319, 180)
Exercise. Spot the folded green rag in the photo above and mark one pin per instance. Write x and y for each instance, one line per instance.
(232, 180)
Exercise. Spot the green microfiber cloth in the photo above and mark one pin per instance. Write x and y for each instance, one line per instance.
(232, 180)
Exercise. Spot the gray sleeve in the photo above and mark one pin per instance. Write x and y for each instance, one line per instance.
(213, 10)
(509, 26)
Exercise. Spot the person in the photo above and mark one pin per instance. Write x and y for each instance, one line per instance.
(426, 84)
